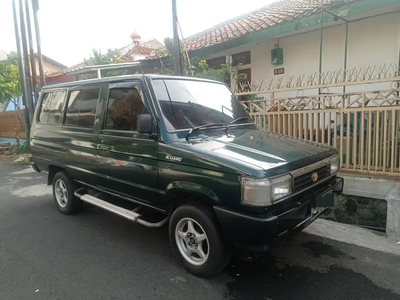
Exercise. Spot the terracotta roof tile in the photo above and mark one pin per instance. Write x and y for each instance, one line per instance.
(265, 17)
(137, 50)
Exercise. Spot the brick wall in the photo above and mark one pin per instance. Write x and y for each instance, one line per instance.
(12, 122)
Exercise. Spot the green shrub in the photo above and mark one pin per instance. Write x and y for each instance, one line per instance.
(21, 149)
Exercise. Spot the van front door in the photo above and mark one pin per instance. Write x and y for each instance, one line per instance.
(127, 159)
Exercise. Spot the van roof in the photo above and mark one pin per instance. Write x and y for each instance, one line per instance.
(121, 78)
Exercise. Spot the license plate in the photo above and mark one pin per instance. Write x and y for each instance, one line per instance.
(322, 201)
(326, 199)
(315, 211)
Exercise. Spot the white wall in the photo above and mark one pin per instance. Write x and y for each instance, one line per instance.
(3, 55)
(374, 41)
(47, 67)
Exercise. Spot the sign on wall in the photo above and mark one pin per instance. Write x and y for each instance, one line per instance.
(279, 71)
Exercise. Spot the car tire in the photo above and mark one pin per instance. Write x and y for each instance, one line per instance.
(197, 241)
(63, 193)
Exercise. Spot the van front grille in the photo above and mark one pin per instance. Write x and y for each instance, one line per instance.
(304, 181)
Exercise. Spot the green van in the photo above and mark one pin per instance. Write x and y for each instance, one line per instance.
(161, 149)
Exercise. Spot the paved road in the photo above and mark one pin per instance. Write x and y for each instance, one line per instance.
(96, 255)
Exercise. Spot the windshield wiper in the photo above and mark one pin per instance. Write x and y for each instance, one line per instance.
(202, 127)
(236, 120)
(215, 124)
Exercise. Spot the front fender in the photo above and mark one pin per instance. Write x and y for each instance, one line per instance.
(191, 188)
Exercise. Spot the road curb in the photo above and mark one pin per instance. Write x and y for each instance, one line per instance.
(353, 235)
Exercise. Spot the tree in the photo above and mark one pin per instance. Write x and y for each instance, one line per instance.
(12, 58)
(203, 70)
(225, 73)
(110, 57)
(198, 67)
(166, 57)
(10, 87)
(98, 58)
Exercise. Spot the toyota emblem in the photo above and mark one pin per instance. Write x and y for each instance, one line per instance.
(314, 176)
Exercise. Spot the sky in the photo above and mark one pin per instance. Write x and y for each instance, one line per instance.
(70, 29)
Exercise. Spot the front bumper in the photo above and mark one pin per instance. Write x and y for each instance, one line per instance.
(257, 232)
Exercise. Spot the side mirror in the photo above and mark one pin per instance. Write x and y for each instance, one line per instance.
(144, 124)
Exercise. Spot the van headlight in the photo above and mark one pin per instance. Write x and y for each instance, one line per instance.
(334, 161)
(264, 192)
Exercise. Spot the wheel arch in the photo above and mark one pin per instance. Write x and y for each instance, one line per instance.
(180, 192)
(53, 170)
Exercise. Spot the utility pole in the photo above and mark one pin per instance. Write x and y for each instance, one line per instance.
(177, 48)
(28, 83)
(35, 7)
(321, 50)
(31, 51)
(21, 72)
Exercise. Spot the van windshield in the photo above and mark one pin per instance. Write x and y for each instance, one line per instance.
(186, 104)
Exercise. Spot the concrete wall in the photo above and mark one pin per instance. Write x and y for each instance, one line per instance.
(383, 189)
(372, 41)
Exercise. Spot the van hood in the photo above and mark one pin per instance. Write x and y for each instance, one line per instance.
(251, 151)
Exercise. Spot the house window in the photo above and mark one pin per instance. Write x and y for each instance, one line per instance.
(81, 107)
(241, 58)
(215, 63)
(51, 107)
(124, 107)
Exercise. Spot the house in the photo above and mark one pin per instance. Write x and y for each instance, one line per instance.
(286, 39)
(3, 54)
(140, 55)
(140, 49)
(49, 66)
(321, 70)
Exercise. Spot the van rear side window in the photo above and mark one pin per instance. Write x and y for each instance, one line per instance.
(51, 107)
(81, 108)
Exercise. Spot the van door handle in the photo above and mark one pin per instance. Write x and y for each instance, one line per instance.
(103, 148)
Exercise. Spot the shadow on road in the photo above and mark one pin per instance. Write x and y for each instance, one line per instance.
(305, 267)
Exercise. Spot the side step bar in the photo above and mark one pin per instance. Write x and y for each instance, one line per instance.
(131, 215)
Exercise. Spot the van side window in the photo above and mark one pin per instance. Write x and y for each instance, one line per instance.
(56, 106)
(44, 108)
(81, 109)
(124, 107)
(50, 110)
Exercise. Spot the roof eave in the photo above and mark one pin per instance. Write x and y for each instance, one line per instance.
(296, 25)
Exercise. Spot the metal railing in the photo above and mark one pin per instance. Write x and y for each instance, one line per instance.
(362, 125)
(349, 77)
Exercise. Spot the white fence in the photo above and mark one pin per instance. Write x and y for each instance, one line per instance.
(362, 125)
